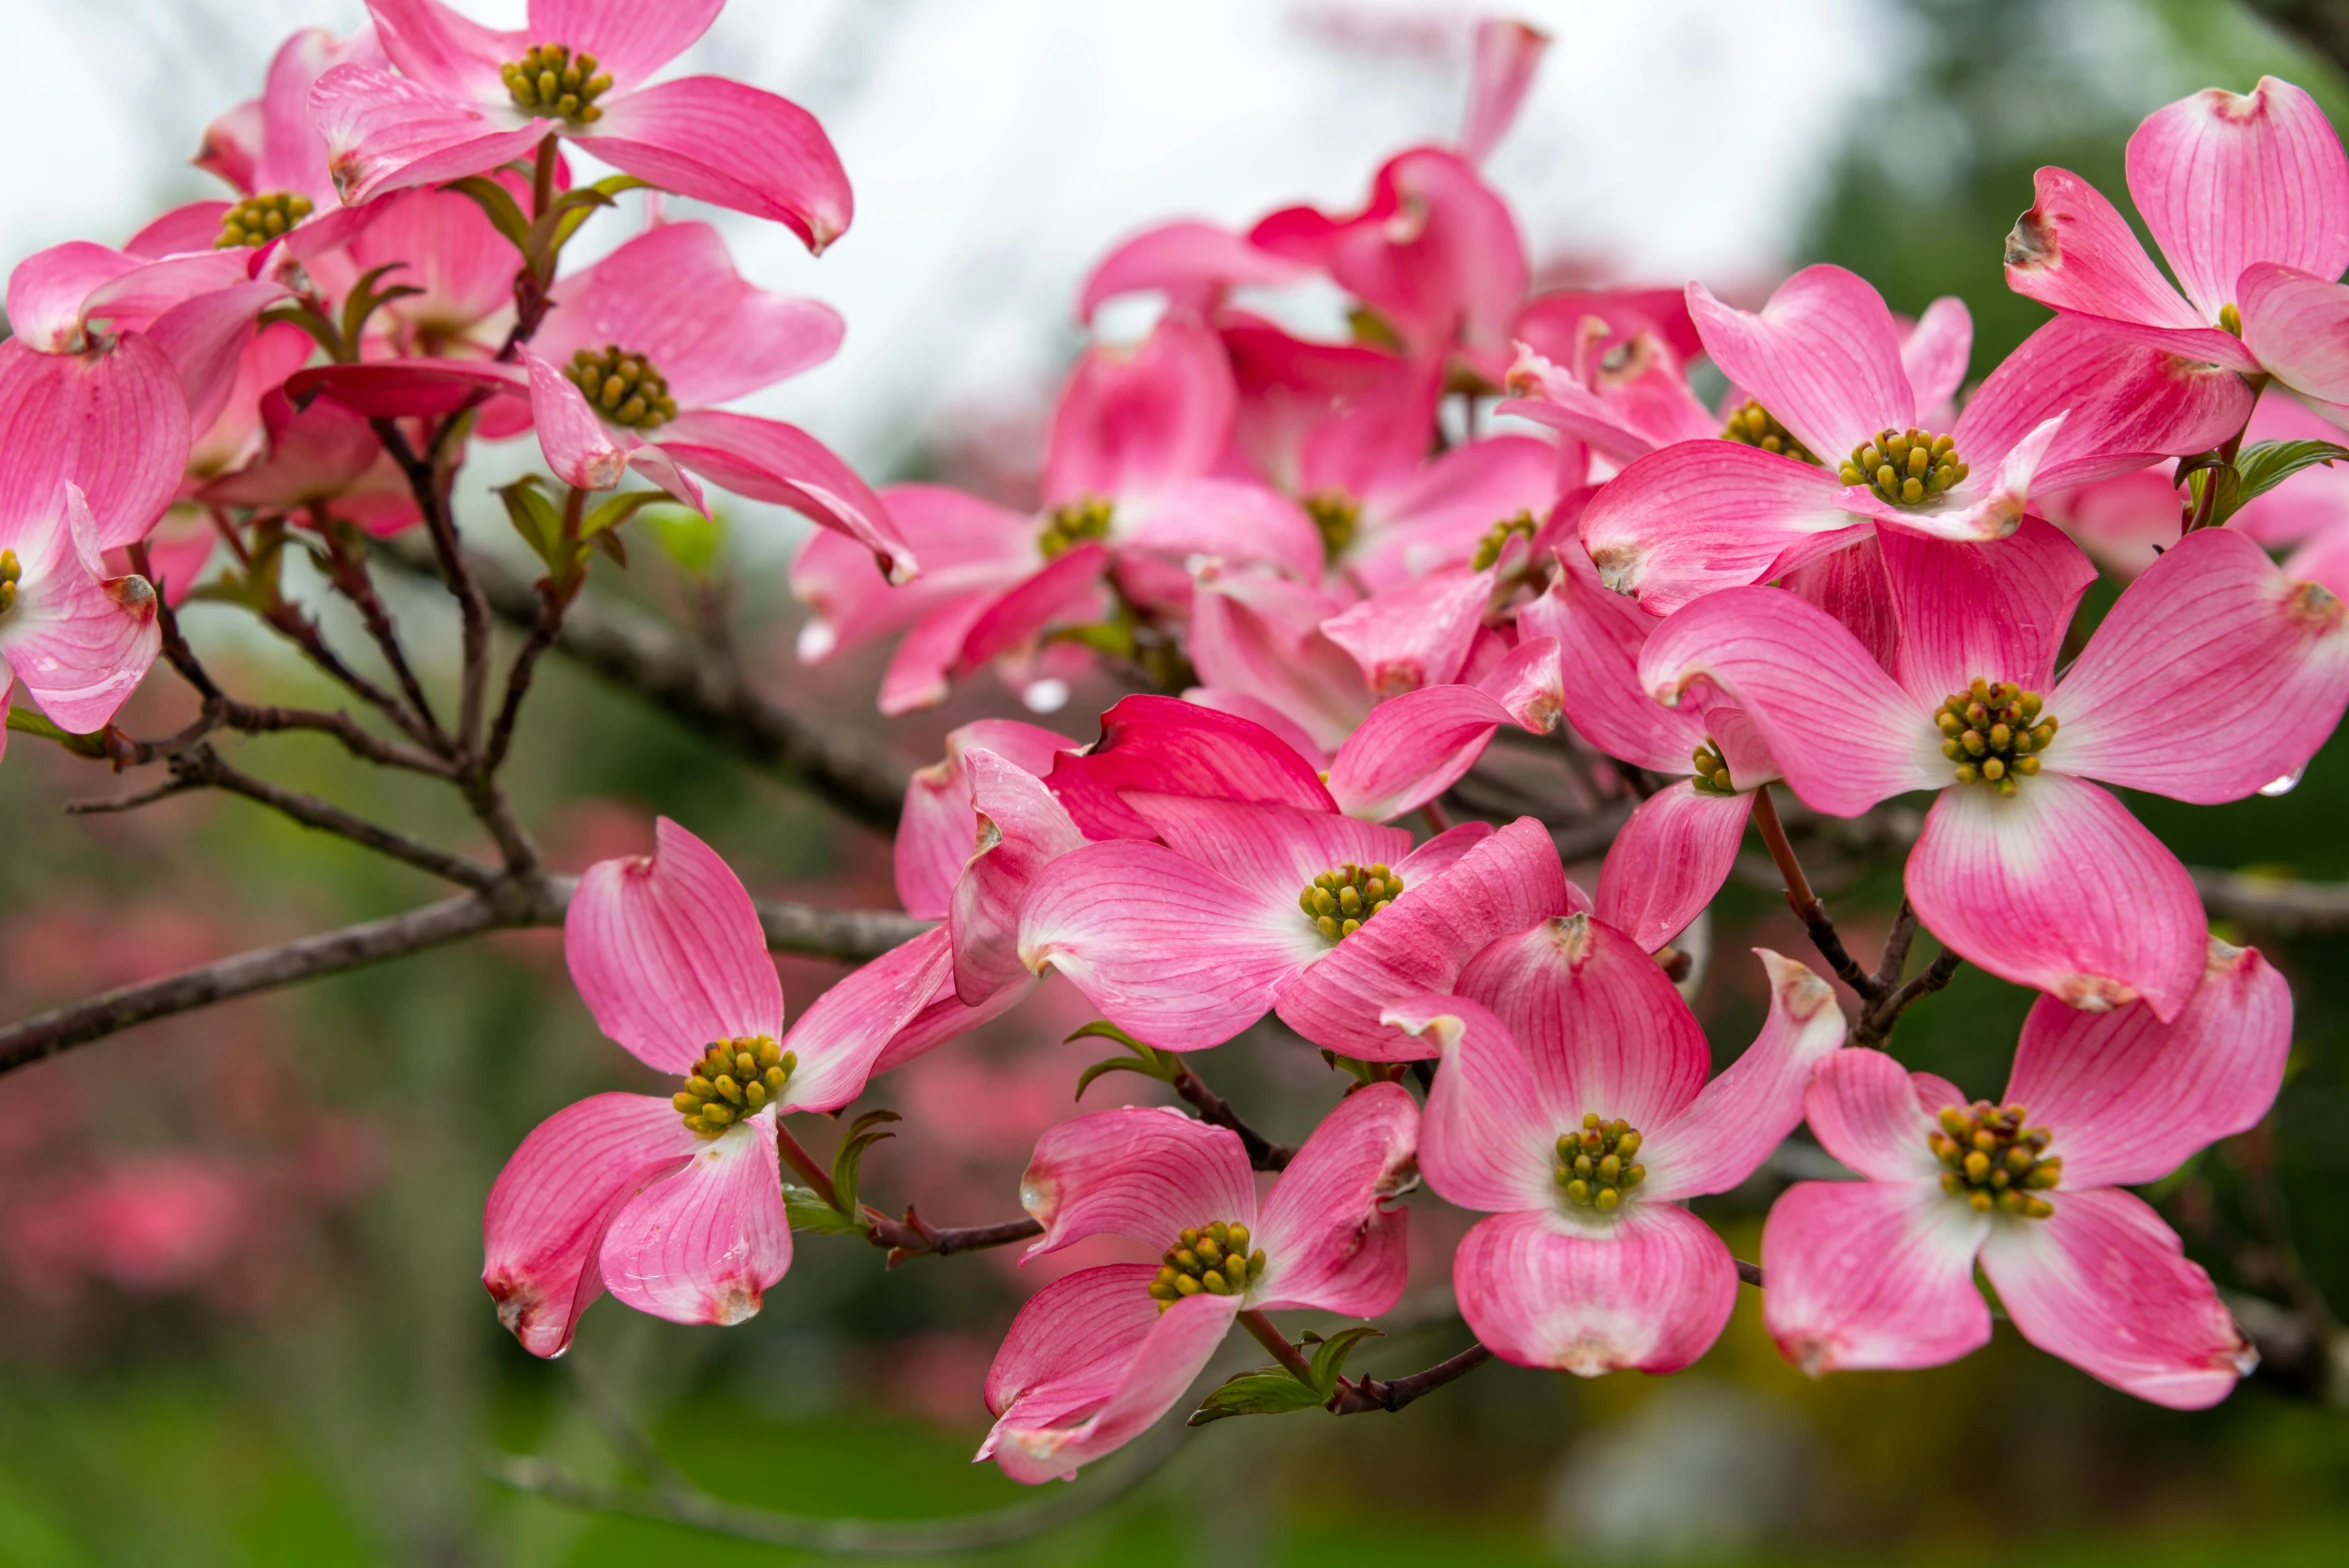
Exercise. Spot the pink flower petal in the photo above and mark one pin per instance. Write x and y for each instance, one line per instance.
(2060, 888)
(79, 642)
(1600, 635)
(844, 1037)
(2298, 325)
(1872, 1275)
(1823, 356)
(1172, 747)
(2213, 626)
(1273, 851)
(1240, 705)
(668, 954)
(440, 47)
(205, 340)
(47, 288)
(2129, 1097)
(114, 423)
(1506, 54)
(398, 389)
(1749, 1108)
(1022, 829)
(582, 450)
(1131, 421)
(1875, 1116)
(1651, 1290)
(1414, 636)
(1259, 637)
(1192, 263)
(703, 1245)
(1935, 353)
(1992, 610)
(1237, 521)
(387, 133)
(1437, 515)
(1623, 413)
(1669, 861)
(2074, 252)
(1785, 662)
(1410, 750)
(1701, 516)
(1144, 1171)
(544, 1226)
(2103, 1283)
(1065, 589)
(1330, 1242)
(1504, 883)
(768, 460)
(734, 146)
(1600, 1022)
(1488, 1139)
(631, 41)
(935, 830)
(2226, 179)
(966, 546)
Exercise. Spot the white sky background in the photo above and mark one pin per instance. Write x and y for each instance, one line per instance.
(998, 147)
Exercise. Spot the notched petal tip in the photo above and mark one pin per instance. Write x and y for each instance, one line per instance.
(2315, 605)
(1620, 566)
(2094, 993)
(1798, 988)
(2031, 245)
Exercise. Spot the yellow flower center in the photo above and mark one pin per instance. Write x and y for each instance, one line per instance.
(255, 221)
(1750, 424)
(1994, 733)
(624, 387)
(1496, 540)
(1907, 467)
(551, 82)
(1336, 515)
(1340, 900)
(733, 1079)
(1598, 1165)
(10, 575)
(1712, 773)
(1073, 523)
(1211, 1260)
(1993, 1161)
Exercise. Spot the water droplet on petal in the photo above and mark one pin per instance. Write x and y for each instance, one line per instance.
(816, 642)
(1049, 695)
(2285, 785)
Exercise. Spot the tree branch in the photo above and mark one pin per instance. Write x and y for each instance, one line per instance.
(914, 1237)
(1392, 1394)
(1808, 907)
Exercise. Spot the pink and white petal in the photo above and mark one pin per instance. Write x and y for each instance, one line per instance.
(734, 146)
(1064, 589)
(1237, 521)
(2104, 1284)
(1649, 1292)
(2059, 887)
(668, 954)
(1084, 1378)
(1600, 635)
(1330, 1242)
(1503, 883)
(1502, 67)
(2298, 325)
(1823, 356)
(1527, 681)
(1164, 745)
(1410, 750)
(1701, 516)
(1022, 829)
(1851, 586)
(1191, 262)
(1996, 610)
(1669, 861)
(1488, 1139)
(77, 641)
(115, 424)
(440, 47)
(2226, 179)
(629, 38)
(1872, 1275)
(1142, 1171)
(1258, 636)
(703, 1245)
(1877, 1117)
(1598, 1019)
(1417, 635)
(920, 671)
(965, 545)
(2129, 1097)
(1632, 413)
(944, 1018)
(543, 1229)
(1438, 514)
(768, 460)
(1185, 967)
(205, 339)
(840, 1040)
(386, 133)
(1785, 662)
(2211, 627)
(1274, 851)
(2074, 252)
(46, 290)
(191, 226)
(1749, 1108)
(1991, 508)
(935, 831)
(583, 451)
(1934, 355)
(1131, 421)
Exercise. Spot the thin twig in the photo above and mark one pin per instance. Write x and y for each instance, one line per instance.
(200, 767)
(1391, 1394)
(809, 1168)
(348, 570)
(1808, 907)
(1214, 1109)
(1265, 1333)
(1878, 1017)
(429, 485)
(914, 1237)
(289, 622)
(552, 602)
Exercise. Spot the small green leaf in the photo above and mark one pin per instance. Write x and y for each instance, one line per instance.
(688, 539)
(1117, 1064)
(498, 205)
(809, 1212)
(2266, 464)
(612, 513)
(1269, 1392)
(1151, 1062)
(310, 321)
(1329, 1357)
(2230, 486)
(539, 521)
(863, 1133)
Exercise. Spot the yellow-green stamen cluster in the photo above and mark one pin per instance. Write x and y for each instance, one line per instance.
(732, 1079)
(1993, 1161)
(1712, 773)
(624, 387)
(2231, 318)
(1336, 515)
(1750, 424)
(1211, 1260)
(550, 81)
(10, 575)
(1906, 467)
(1994, 733)
(1073, 523)
(1339, 900)
(255, 221)
(1597, 1165)
(1496, 539)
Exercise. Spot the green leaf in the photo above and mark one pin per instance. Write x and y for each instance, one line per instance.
(539, 521)
(610, 544)
(2267, 464)
(2230, 487)
(1103, 637)
(1149, 1061)
(863, 1133)
(1269, 1392)
(611, 514)
(365, 299)
(310, 321)
(688, 539)
(1117, 1064)
(573, 208)
(1329, 1357)
(497, 204)
(809, 1212)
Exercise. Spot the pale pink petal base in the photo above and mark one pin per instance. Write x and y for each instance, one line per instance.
(703, 1245)
(1650, 1291)
(1329, 1242)
(1872, 1275)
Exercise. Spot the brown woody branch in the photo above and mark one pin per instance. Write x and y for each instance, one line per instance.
(914, 1237)
(1355, 1397)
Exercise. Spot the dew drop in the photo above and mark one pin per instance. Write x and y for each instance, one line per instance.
(1048, 695)
(2285, 785)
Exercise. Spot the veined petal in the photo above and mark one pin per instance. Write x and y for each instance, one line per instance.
(1134, 421)
(115, 424)
(1259, 636)
(1237, 521)
(1410, 750)
(668, 954)
(1625, 413)
(1993, 610)
(1273, 851)
(1144, 1171)
(2298, 325)
(1872, 1275)
(1700, 516)
(1172, 747)
(1331, 1243)
(1022, 829)
(1935, 353)
(585, 452)
(920, 671)
(1651, 1291)
(47, 288)
(1747, 1111)
(703, 1245)
(768, 460)
(1851, 586)
(966, 547)
(841, 1039)
(936, 829)
(1191, 262)
(1488, 1139)
(1437, 515)
(1823, 356)
(1669, 861)
(2074, 252)
(2226, 179)
(387, 133)
(79, 642)
(1788, 665)
(2211, 627)
(629, 38)
(1600, 635)
(1417, 635)
(441, 47)
(734, 146)
(2129, 1097)
(2103, 1283)
(2059, 887)
(1875, 1116)
(1066, 588)
(543, 1230)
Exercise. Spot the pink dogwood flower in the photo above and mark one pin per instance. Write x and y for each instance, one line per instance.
(2024, 866)
(2247, 197)
(1880, 1272)
(1823, 366)
(77, 639)
(1571, 1105)
(673, 1203)
(1096, 1357)
(469, 99)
